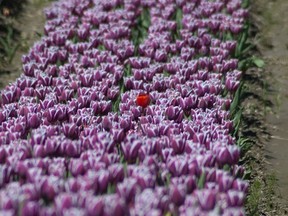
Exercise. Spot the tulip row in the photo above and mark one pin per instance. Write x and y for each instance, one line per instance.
(76, 137)
(187, 125)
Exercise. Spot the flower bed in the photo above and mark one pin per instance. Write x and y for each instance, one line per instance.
(123, 109)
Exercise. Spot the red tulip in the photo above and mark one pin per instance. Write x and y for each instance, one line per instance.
(143, 100)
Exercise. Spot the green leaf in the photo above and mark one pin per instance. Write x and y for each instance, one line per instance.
(179, 16)
(226, 167)
(38, 34)
(111, 188)
(201, 181)
(258, 62)
(241, 43)
(4, 44)
(234, 107)
(168, 179)
(13, 52)
(237, 122)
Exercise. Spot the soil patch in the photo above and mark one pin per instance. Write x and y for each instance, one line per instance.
(273, 47)
(265, 113)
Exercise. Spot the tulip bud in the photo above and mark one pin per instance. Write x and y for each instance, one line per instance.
(71, 130)
(76, 167)
(206, 199)
(177, 194)
(39, 151)
(130, 149)
(30, 209)
(116, 173)
(178, 167)
(94, 206)
(127, 189)
(240, 185)
(33, 120)
(235, 198)
(114, 205)
(103, 177)
(225, 182)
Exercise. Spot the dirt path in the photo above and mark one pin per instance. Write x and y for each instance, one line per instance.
(30, 24)
(274, 49)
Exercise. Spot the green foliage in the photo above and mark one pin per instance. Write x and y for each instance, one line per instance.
(178, 18)
(254, 197)
(252, 61)
(245, 3)
(227, 168)
(234, 107)
(242, 42)
(244, 144)
(258, 62)
(261, 191)
(127, 70)
(140, 30)
(115, 106)
(111, 188)
(168, 180)
(201, 181)
(8, 46)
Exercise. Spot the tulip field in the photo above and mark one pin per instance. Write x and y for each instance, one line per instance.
(125, 107)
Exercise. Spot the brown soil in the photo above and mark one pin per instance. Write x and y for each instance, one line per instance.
(274, 51)
(265, 113)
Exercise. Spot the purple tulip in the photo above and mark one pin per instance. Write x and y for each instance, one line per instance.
(206, 199)
(228, 155)
(235, 198)
(94, 206)
(50, 187)
(29, 69)
(5, 172)
(116, 173)
(63, 201)
(103, 177)
(130, 149)
(177, 166)
(76, 167)
(177, 194)
(178, 144)
(47, 211)
(240, 185)
(127, 189)
(30, 208)
(234, 211)
(225, 183)
(70, 148)
(33, 120)
(238, 171)
(231, 85)
(146, 200)
(72, 185)
(167, 153)
(3, 155)
(114, 205)
(145, 180)
(30, 192)
(71, 130)
(7, 212)
(106, 123)
(160, 56)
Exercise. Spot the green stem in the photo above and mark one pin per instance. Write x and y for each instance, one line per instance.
(178, 18)
(140, 30)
